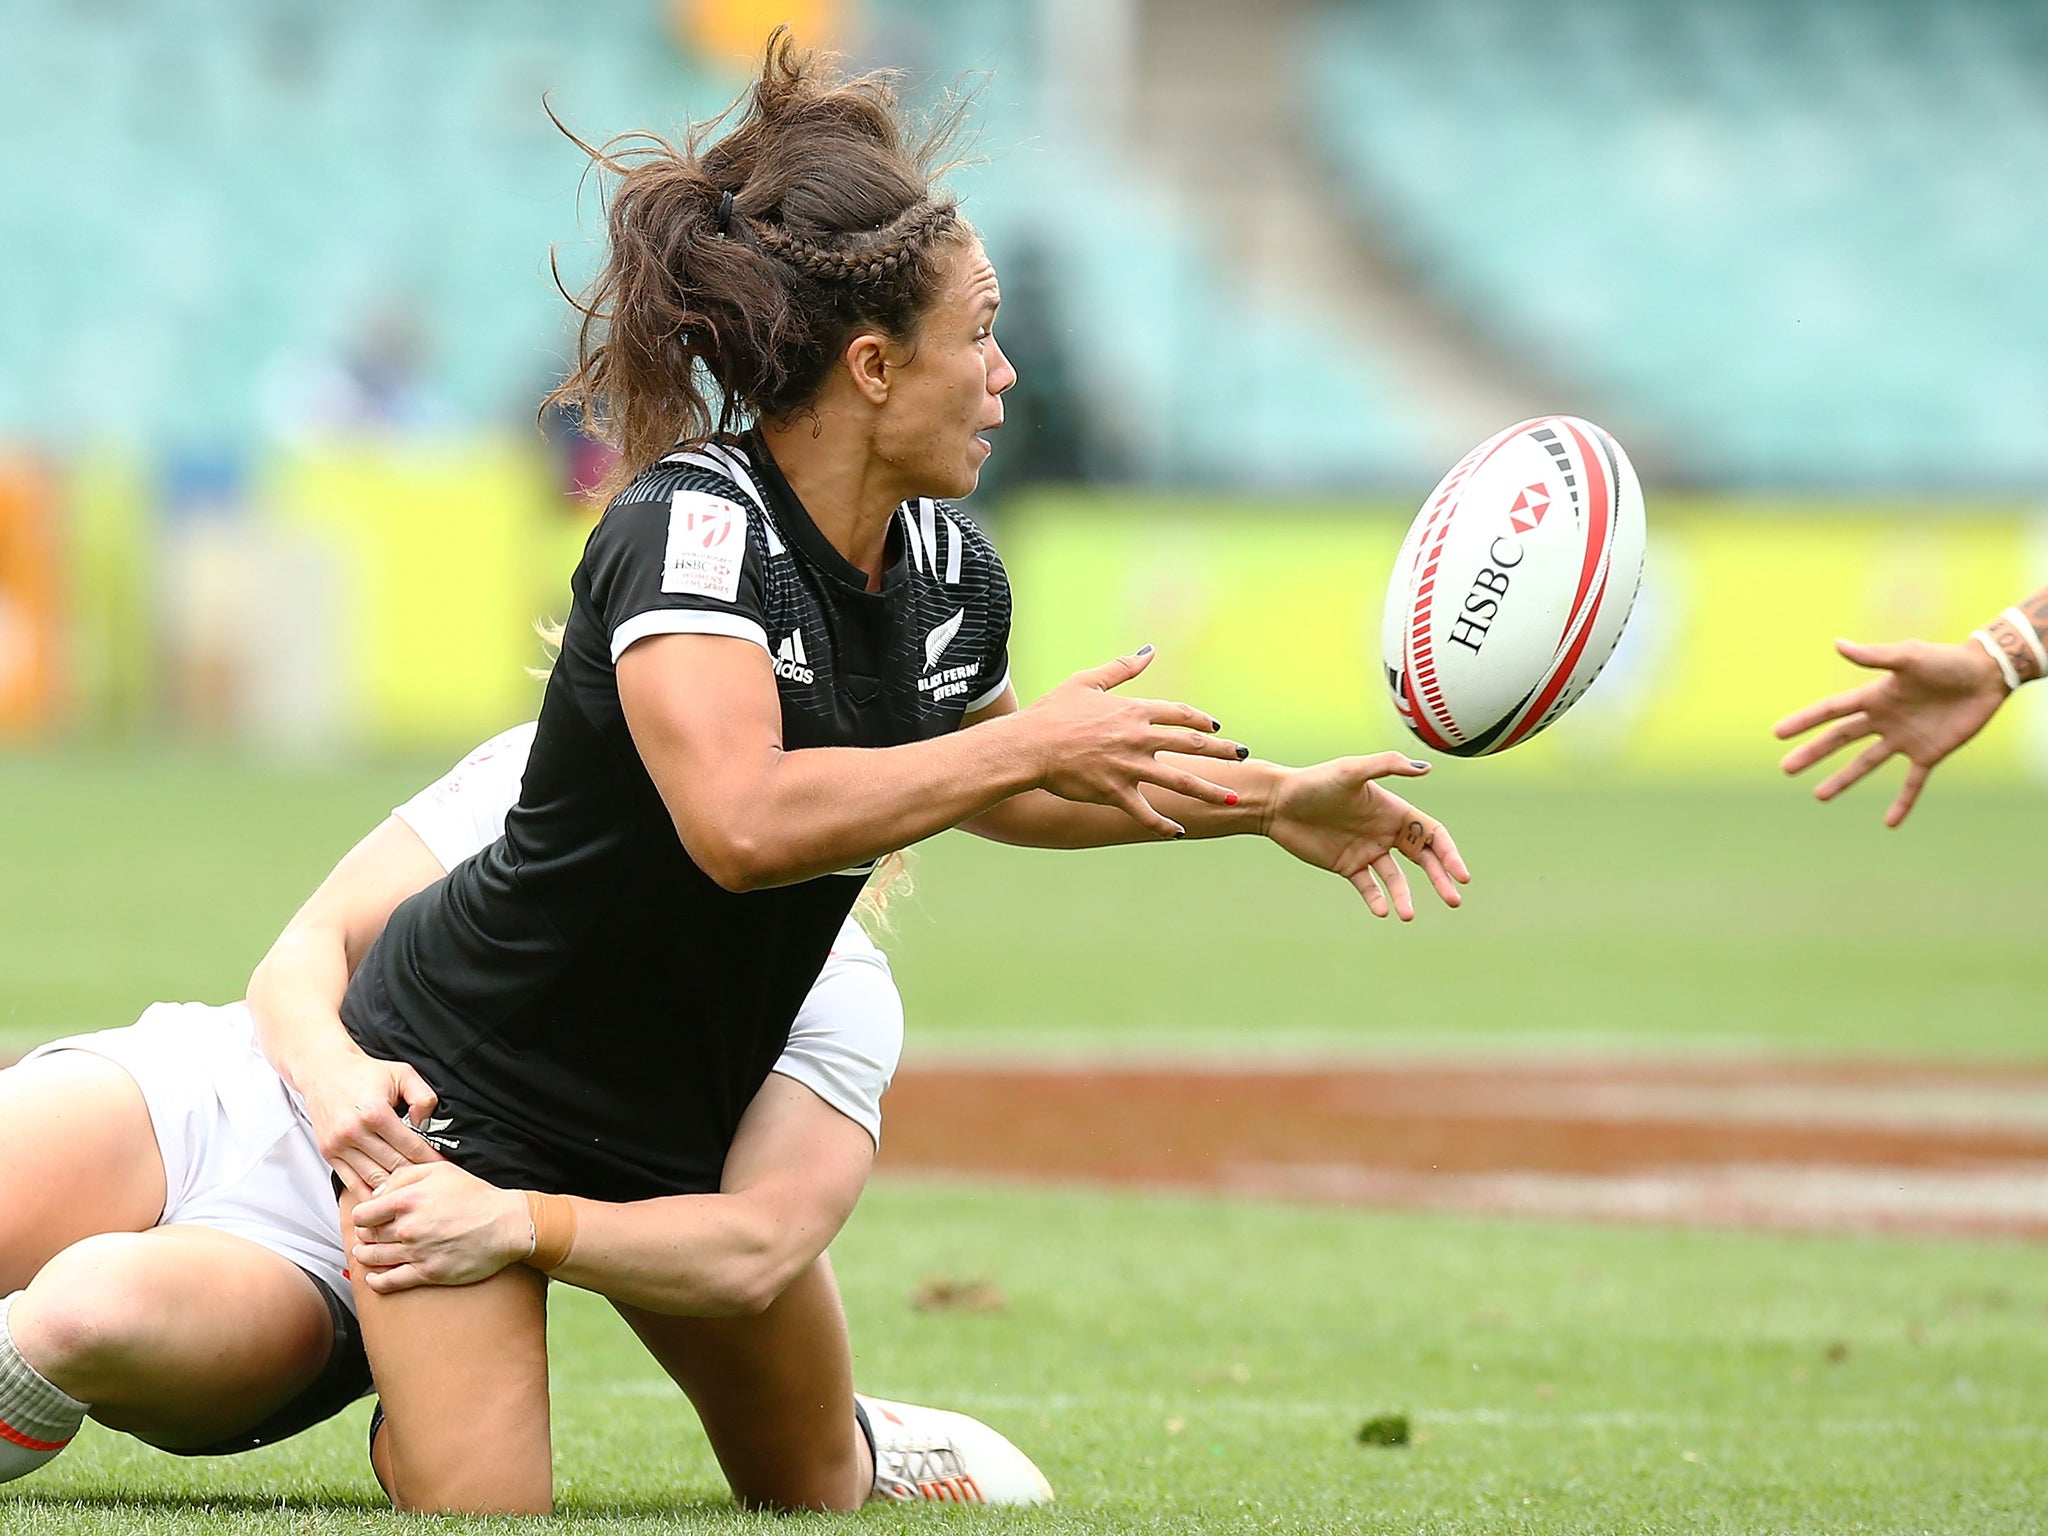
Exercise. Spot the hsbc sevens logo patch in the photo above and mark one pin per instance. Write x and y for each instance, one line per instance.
(707, 544)
(1529, 508)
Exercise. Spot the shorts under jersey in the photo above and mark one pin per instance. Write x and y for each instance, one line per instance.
(581, 987)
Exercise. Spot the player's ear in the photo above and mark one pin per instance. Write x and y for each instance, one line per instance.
(869, 357)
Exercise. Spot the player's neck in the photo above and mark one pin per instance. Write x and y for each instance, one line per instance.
(848, 492)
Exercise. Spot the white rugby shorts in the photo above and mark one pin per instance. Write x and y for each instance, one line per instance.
(239, 1154)
(238, 1151)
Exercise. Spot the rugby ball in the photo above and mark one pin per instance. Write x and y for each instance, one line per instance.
(1513, 585)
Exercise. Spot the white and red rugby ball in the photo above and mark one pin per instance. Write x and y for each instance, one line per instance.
(1513, 585)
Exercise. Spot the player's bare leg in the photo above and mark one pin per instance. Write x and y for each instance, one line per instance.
(462, 1373)
(79, 1163)
(775, 1393)
(78, 1157)
(181, 1336)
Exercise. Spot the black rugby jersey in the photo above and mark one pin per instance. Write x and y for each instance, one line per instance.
(582, 980)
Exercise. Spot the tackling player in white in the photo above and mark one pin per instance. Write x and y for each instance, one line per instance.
(171, 1262)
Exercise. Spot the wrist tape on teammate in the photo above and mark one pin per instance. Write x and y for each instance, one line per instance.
(2029, 637)
(554, 1230)
(1996, 652)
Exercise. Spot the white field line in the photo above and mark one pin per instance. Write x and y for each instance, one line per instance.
(1982, 1204)
(1807, 1196)
(1280, 1048)
(1158, 1404)
(1947, 1106)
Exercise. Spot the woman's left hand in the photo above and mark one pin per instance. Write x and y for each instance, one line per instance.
(433, 1224)
(1335, 817)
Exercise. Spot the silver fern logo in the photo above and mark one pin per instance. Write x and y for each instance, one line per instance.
(936, 642)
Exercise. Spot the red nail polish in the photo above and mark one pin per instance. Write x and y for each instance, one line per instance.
(1230, 797)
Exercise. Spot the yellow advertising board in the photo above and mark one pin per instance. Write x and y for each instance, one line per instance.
(1269, 617)
(447, 553)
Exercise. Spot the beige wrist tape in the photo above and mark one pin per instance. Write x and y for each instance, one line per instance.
(554, 1230)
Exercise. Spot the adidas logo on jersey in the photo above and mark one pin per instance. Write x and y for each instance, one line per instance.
(791, 664)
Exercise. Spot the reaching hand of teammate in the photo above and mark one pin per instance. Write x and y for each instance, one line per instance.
(1928, 702)
(1335, 817)
(1096, 747)
(352, 1100)
(434, 1224)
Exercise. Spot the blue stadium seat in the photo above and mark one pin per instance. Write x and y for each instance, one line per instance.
(1786, 245)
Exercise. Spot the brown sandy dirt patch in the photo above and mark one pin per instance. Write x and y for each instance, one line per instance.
(1848, 1146)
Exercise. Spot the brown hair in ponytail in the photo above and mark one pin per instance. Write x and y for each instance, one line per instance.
(741, 262)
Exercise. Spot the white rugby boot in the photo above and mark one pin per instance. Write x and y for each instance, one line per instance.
(928, 1453)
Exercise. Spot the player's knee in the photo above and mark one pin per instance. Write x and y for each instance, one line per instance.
(502, 1464)
(784, 1476)
(90, 1316)
(826, 1489)
(472, 1489)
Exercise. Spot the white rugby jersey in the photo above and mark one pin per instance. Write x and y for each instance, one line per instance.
(848, 1036)
(581, 978)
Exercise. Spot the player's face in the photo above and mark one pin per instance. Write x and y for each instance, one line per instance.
(949, 391)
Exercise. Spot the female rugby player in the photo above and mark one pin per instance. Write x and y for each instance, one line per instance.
(170, 1260)
(1931, 700)
(774, 642)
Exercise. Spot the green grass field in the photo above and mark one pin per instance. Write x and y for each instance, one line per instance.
(1618, 918)
(1194, 1364)
(1187, 1365)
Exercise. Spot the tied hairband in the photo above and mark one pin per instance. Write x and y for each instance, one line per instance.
(724, 214)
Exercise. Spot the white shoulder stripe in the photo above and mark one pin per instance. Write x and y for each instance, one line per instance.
(721, 460)
(731, 465)
(926, 512)
(910, 538)
(953, 553)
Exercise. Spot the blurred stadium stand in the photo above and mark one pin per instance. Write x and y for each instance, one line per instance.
(210, 201)
(1287, 245)
(1787, 245)
(265, 258)
(261, 216)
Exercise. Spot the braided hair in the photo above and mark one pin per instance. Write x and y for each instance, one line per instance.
(741, 262)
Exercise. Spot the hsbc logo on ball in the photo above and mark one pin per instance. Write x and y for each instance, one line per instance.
(1489, 588)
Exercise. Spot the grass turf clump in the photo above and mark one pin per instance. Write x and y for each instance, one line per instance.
(1384, 1429)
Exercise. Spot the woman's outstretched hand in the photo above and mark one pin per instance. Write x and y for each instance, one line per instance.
(1094, 746)
(434, 1224)
(1928, 702)
(1336, 817)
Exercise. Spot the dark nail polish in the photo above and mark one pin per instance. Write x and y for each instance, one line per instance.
(1243, 753)
(1144, 650)
(1416, 762)
(1180, 831)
